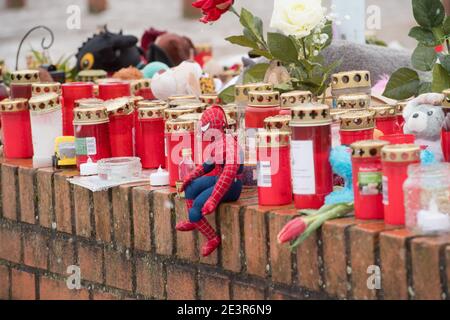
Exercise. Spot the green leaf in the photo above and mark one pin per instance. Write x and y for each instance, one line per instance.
(425, 87)
(428, 13)
(424, 58)
(252, 24)
(403, 84)
(256, 73)
(282, 47)
(260, 52)
(445, 62)
(441, 79)
(242, 41)
(424, 36)
(227, 95)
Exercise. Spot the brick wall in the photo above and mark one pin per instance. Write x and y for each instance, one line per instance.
(126, 246)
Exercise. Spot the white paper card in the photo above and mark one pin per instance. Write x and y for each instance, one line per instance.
(303, 170)
(264, 174)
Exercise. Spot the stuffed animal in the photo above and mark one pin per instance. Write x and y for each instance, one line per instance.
(109, 51)
(341, 162)
(424, 118)
(205, 193)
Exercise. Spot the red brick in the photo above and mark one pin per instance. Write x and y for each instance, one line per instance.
(162, 217)
(180, 283)
(35, 250)
(83, 210)
(213, 258)
(61, 255)
(63, 206)
(186, 241)
(447, 259)
(9, 192)
(99, 295)
(231, 236)
(214, 287)
(255, 241)
(393, 256)
(23, 285)
(308, 264)
(334, 256)
(425, 254)
(10, 244)
(27, 196)
(102, 215)
(4, 283)
(280, 254)
(121, 216)
(44, 188)
(244, 291)
(90, 259)
(118, 270)
(150, 278)
(141, 218)
(51, 289)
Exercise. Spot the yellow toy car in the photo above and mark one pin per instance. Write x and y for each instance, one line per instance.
(65, 155)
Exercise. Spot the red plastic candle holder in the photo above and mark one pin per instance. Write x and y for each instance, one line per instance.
(121, 116)
(72, 92)
(356, 126)
(151, 128)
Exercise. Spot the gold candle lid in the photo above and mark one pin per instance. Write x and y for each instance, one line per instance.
(264, 99)
(400, 153)
(295, 98)
(210, 99)
(337, 113)
(230, 112)
(384, 111)
(446, 103)
(271, 139)
(400, 106)
(241, 91)
(180, 126)
(134, 100)
(14, 105)
(83, 116)
(46, 87)
(351, 79)
(25, 76)
(357, 120)
(156, 112)
(198, 107)
(44, 103)
(88, 103)
(280, 123)
(151, 103)
(310, 115)
(181, 97)
(181, 102)
(367, 148)
(353, 101)
(91, 75)
(175, 113)
(136, 85)
(119, 107)
(190, 117)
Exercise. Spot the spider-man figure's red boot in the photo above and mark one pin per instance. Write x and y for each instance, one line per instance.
(186, 225)
(213, 239)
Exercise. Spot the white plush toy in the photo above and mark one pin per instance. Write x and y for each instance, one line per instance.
(424, 118)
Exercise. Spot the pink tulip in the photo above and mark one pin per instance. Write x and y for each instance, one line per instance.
(292, 230)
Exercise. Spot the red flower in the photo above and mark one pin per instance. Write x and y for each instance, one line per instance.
(292, 230)
(212, 9)
(439, 48)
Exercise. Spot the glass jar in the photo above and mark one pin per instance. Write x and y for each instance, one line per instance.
(427, 198)
(445, 135)
(119, 169)
(45, 87)
(46, 126)
(16, 126)
(310, 152)
(70, 93)
(91, 127)
(179, 135)
(21, 81)
(120, 113)
(352, 82)
(274, 168)
(396, 159)
(386, 119)
(367, 179)
(356, 126)
(113, 90)
(353, 101)
(295, 98)
(151, 143)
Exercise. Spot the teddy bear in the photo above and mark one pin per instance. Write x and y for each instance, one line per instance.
(424, 118)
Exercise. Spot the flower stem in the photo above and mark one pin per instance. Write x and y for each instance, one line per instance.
(233, 10)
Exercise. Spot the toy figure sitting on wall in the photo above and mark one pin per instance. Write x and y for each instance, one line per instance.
(205, 193)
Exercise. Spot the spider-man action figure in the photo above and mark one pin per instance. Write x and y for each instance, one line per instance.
(204, 193)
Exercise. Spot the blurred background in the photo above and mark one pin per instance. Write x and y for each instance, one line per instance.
(134, 16)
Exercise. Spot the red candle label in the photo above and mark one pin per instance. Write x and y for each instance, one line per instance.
(370, 181)
(303, 170)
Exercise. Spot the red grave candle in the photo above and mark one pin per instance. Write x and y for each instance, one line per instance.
(120, 113)
(310, 152)
(142, 89)
(179, 135)
(203, 53)
(151, 126)
(91, 127)
(386, 119)
(138, 142)
(70, 93)
(274, 168)
(16, 125)
(356, 126)
(261, 105)
(367, 179)
(21, 82)
(395, 161)
(113, 90)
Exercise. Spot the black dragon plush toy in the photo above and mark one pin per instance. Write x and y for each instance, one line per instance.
(109, 51)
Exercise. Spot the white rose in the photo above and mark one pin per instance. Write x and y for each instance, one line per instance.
(297, 17)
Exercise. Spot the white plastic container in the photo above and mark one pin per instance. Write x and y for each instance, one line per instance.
(46, 126)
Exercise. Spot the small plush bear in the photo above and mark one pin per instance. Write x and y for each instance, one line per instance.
(424, 118)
